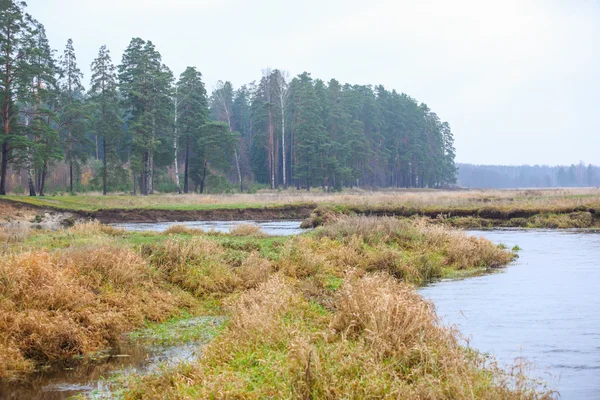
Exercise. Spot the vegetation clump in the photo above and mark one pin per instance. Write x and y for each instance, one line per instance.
(330, 314)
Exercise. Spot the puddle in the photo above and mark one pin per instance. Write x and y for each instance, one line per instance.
(138, 355)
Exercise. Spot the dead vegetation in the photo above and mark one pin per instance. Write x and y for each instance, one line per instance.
(333, 314)
(381, 340)
(56, 305)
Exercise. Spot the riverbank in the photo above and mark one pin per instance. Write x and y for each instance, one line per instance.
(309, 316)
(549, 208)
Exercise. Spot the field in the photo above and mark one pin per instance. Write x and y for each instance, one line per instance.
(329, 314)
(549, 208)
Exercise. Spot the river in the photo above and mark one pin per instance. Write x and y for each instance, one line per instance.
(276, 228)
(544, 307)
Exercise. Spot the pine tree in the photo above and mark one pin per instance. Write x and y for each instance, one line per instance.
(216, 145)
(107, 122)
(16, 45)
(309, 134)
(45, 101)
(146, 86)
(192, 113)
(73, 115)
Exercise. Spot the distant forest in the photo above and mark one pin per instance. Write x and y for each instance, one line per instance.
(137, 128)
(526, 176)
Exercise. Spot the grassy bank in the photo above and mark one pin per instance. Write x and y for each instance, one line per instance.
(326, 315)
(550, 208)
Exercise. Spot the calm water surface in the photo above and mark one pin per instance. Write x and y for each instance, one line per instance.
(544, 307)
(276, 228)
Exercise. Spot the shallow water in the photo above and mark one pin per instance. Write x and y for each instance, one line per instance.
(275, 228)
(544, 307)
(93, 377)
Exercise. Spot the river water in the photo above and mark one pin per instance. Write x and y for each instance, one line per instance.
(275, 228)
(544, 307)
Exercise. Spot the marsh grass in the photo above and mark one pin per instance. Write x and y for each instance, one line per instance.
(332, 314)
(179, 229)
(381, 340)
(14, 233)
(415, 198)
(247, 230)
(58, 305)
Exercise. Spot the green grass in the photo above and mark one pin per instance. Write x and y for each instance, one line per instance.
(183, 329)
(84, 203)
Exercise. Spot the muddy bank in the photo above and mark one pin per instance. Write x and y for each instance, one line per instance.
(110, 216)
(15, 212)
(484, 217)
(22, 215)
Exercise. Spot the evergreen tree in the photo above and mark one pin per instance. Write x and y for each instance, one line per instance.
(73, 115)
(145, 84)
(309, 134)
(17, 30)
(192, 113)
(107, 123)
(216, 145)
(45, 103)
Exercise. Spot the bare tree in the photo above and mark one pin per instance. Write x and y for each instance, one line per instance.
(282, 93)
(219, 94)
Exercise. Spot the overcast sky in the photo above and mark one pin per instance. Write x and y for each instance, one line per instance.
(518, 80)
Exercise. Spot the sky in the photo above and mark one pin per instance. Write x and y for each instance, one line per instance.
(518, 80)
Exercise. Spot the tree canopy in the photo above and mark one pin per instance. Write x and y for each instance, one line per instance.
(138, 129)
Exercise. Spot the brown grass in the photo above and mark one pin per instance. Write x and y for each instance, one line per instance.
(57, 305)
(94, 228)
(356, 197)
(328, 315)
(382, 341)
(182, 230)
(413, 249)
(14, 233)
(197, 266)
(247, 230)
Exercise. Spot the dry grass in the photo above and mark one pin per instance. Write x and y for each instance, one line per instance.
(55, 305)
(247, 230)
(198, 266)
(381, 341)
(402, 245)
(94, 228)
(182, 230)
(328, 315)
(14, 233)
(355, 197)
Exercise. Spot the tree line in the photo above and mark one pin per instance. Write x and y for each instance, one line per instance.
(145, 126)
(528, 176)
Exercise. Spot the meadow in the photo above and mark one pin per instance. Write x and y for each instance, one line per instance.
(543, 208)
(329, 314)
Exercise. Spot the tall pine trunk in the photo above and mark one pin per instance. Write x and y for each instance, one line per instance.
(30, 178)
(104, 166)
(186, 167)
(5, 148)
(43, 178)
(203, 176)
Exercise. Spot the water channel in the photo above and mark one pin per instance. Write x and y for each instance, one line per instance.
(275, 228)
(544, 307)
